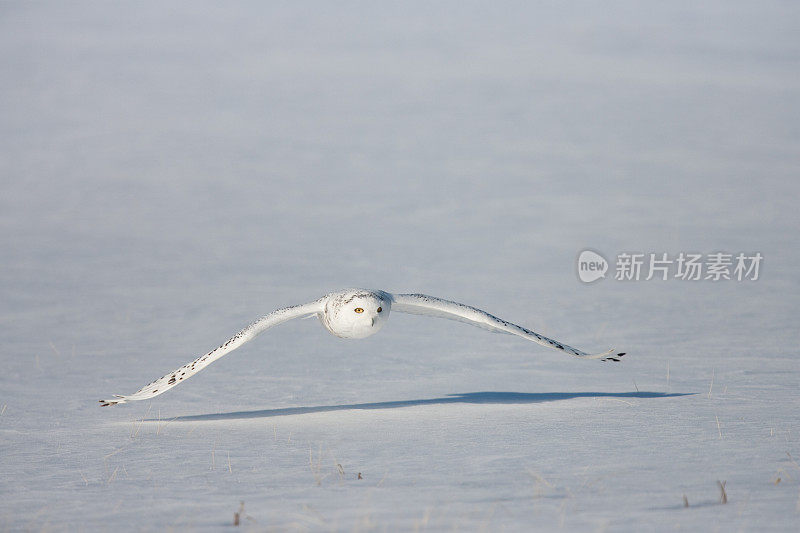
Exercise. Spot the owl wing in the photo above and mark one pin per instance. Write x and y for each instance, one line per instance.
(421, 304)
(249, 333)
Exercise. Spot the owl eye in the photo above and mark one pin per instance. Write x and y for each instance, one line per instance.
(358, 310)
(380, 309)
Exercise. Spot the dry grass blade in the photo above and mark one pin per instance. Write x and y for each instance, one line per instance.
(238, 514)
(711, 386)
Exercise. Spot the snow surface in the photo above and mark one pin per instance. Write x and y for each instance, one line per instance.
(172, 172)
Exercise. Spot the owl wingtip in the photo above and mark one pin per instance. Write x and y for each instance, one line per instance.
(119, 399)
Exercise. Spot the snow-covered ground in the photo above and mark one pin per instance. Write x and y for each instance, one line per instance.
(169, 173)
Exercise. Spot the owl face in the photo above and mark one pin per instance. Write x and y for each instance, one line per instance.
(356, 314)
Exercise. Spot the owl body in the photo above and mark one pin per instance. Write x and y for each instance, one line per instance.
(355, 313)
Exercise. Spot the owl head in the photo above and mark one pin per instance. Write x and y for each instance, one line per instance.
(357, 313)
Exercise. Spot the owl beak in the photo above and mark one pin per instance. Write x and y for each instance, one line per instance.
(373, 321)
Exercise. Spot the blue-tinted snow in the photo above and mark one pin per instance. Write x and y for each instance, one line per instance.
(172, 172)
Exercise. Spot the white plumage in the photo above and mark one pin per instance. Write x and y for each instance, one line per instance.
(355, 314)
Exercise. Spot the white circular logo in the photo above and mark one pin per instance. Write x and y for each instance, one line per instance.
(591, 266)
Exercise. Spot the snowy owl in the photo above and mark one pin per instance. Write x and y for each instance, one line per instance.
(355, 314)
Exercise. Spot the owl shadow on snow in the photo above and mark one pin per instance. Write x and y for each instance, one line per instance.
(465, 398)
